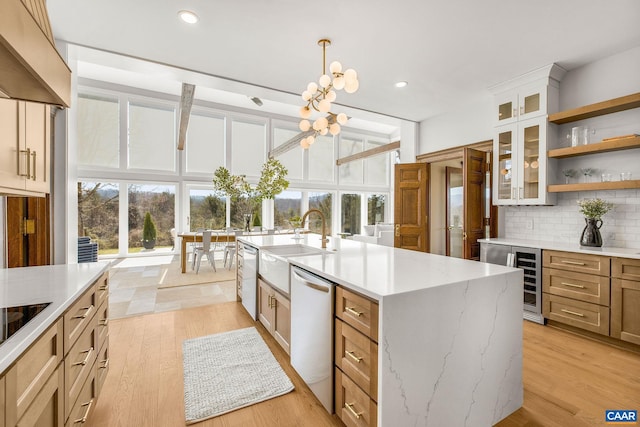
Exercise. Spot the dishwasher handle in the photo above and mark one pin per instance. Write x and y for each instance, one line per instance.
(313, 285)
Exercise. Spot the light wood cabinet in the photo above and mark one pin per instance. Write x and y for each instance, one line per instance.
(625, 300)
(25, 140)
(83, 408)
(78, 363)
(274, 312)
(34, 384)
(2, 405)
(576, 290)
(356, 358)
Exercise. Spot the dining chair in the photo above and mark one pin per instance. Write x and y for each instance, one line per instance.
(230, 250)
(207, 249)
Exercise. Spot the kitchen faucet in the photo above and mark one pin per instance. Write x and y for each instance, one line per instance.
(324, 233)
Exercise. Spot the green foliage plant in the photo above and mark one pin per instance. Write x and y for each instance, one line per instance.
(594, 208)
(256, 220)
(233, 186)
(148, 229)
(272, 180)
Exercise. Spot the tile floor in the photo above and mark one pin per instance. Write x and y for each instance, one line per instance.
(134, 288)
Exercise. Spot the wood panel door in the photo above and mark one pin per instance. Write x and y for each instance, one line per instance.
(28, 228)
(411, 206)
(473, 178)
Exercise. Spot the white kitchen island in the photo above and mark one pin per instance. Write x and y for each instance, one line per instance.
(450, 330)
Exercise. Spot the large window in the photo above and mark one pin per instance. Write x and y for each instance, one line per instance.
(243, 213)
(350, 209)
(376, 168)
(248, 145)
(205, 144)
(286, 205)
(206, 210)
(98, 131)
(292, 159)
(324, 203)
(322, 160)
(375, 208)
(351, 172)
(152, 137)
(159, 201)
(98, 205)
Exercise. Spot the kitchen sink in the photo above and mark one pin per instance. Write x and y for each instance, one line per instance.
(294, 250)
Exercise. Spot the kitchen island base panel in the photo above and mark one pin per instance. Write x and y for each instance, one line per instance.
(462, 364)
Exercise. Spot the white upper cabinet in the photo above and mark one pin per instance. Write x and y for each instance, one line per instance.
(522, 137)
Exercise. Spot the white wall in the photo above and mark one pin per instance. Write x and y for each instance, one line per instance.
(608, 78)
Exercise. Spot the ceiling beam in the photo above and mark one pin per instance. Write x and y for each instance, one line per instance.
(186, 101)
(368, 153)
(295, 141)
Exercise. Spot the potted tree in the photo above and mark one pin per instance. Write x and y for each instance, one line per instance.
(148, 232)
(272, 182)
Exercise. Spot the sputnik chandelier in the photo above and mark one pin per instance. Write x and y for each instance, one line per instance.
(319, 97)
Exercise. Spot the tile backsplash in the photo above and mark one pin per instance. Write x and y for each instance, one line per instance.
(563, 222)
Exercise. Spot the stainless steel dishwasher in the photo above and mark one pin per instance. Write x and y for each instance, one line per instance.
(250, 279)
(312, 306)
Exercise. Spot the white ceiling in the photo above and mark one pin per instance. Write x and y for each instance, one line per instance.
(449, 51)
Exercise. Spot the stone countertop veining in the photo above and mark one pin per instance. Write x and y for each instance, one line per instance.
(379, 271)
(59, 285)
(567, 247)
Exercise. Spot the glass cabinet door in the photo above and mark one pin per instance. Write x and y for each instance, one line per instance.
(530, 162)
(504, 161)
(507, 108)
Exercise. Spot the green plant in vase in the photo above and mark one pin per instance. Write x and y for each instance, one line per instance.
(148, 232)
(593, 211)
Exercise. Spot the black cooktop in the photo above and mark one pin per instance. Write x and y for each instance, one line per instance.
(14, 318)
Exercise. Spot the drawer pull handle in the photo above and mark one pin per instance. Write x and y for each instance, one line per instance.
(86, 358)
(86, 412)
(573, 262)
(354, 357)
(104, 287)
(87, 310)
(572, 285)
(353, 311)
(105, 364)
(104, 322)
(349, 406)
(572, 312)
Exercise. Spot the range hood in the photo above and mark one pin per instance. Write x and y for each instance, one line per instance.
(31, 68)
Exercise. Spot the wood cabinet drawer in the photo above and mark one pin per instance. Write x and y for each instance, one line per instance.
(83, 407)
(78, 316)
(102, 289)
(78, 364)
(102, 366)
(46, 409)
(352, 405)
(357, 356)
(580, 286)
(578, 262)
(357, 311)
(102, 324)
(625, 268)
(32, 371)
(625, 310)
(584, 315)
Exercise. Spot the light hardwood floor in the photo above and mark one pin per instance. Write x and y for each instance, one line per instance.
(569, 381)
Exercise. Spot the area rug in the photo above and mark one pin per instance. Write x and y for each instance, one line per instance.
(229, 371)
(171, 275)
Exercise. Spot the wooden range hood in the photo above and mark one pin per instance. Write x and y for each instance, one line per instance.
(31, 68)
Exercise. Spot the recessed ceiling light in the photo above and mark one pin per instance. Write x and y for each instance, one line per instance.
(188, 16)
(401, 84)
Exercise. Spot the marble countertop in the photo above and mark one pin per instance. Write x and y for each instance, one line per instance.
(59, 285)
(567, 247)
(379, 271)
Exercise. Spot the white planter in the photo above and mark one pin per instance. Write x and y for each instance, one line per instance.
(268, 213)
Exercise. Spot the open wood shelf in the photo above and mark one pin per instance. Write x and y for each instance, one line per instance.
(598, 147)
(598, 109)
(592, 186)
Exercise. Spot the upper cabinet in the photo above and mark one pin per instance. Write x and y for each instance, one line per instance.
(522, 136)
(25, 140)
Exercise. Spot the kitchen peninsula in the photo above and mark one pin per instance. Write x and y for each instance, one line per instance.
(449, 331)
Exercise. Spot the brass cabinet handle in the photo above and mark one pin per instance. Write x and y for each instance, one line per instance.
(104, 287)
(87, 310)
(86, 412)
(104, 322)
(269, 300)
(353, 311)
(572, 262)
(27, 153)
(572, 312)
(105, 364)
(349, 406)
(354, 357)
(86, 358)
(572, 285)
(33, 177)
